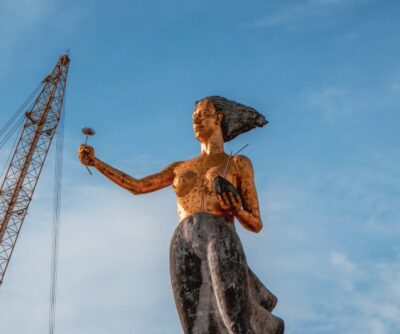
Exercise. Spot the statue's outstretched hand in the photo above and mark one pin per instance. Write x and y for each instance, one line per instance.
(86, 155)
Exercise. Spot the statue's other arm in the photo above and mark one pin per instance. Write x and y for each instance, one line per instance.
(249, 215)
(136, 186)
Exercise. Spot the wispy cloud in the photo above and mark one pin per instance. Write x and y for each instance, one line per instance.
(19, 18)
(322, 255)
(341, 261)
(295, 14)
(16, 18)
(395, 87)
(113, 267)
(373, 295)
(331, 102)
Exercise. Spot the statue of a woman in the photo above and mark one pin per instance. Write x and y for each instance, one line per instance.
(215, 291)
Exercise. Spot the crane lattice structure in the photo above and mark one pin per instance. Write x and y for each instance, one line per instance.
(27, 160)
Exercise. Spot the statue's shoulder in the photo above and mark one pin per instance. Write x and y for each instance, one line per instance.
(190, 161)
(242, 162)
(190, 164)
(181, 165)
(172, 167)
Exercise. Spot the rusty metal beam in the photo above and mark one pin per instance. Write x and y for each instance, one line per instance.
(28, 159)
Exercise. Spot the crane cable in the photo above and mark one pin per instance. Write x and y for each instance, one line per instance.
(12, 129)
(56, 220)
(4, 135)
(15, 127)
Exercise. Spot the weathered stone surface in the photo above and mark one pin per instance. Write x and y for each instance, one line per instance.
(215, 291)
(238, 118)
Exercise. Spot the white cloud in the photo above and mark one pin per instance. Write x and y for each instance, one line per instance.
(395, 87)
(341, 261)
(16, 18)
(21, 21)
(332, 271)
(377, 326)
(113, 267)
(282, 17)
(292, 15)
(331, 102)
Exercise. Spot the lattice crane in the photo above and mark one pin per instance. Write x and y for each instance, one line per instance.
(23, 171)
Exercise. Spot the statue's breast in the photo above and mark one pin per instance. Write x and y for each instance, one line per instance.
(184, 181)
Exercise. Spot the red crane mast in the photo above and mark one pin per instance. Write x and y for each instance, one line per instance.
(28, 159)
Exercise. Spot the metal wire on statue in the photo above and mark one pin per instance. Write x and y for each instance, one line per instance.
(56, 221)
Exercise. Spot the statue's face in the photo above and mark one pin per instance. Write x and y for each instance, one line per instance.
(206, 120)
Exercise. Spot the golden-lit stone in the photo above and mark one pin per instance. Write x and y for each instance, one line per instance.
(192, 179)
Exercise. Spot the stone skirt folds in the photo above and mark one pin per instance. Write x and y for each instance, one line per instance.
(215, 292)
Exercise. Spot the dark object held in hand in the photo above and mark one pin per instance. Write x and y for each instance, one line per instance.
(222, 185)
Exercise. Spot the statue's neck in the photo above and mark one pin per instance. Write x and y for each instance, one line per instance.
(214, 145)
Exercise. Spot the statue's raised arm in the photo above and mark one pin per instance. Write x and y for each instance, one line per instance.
(215, 291)
(135, 186)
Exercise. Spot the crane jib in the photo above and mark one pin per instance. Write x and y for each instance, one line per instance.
(28, 158)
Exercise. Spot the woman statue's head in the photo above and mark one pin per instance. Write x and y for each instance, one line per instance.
(206, 121)
(216, 113)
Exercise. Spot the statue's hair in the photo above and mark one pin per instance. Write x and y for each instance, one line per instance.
(237, 118)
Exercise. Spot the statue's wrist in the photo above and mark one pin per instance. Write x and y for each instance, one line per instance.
(237, 212)
(96, 163)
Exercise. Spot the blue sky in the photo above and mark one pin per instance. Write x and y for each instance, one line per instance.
(326, 73)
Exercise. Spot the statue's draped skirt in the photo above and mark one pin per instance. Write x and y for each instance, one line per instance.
(215, 291)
